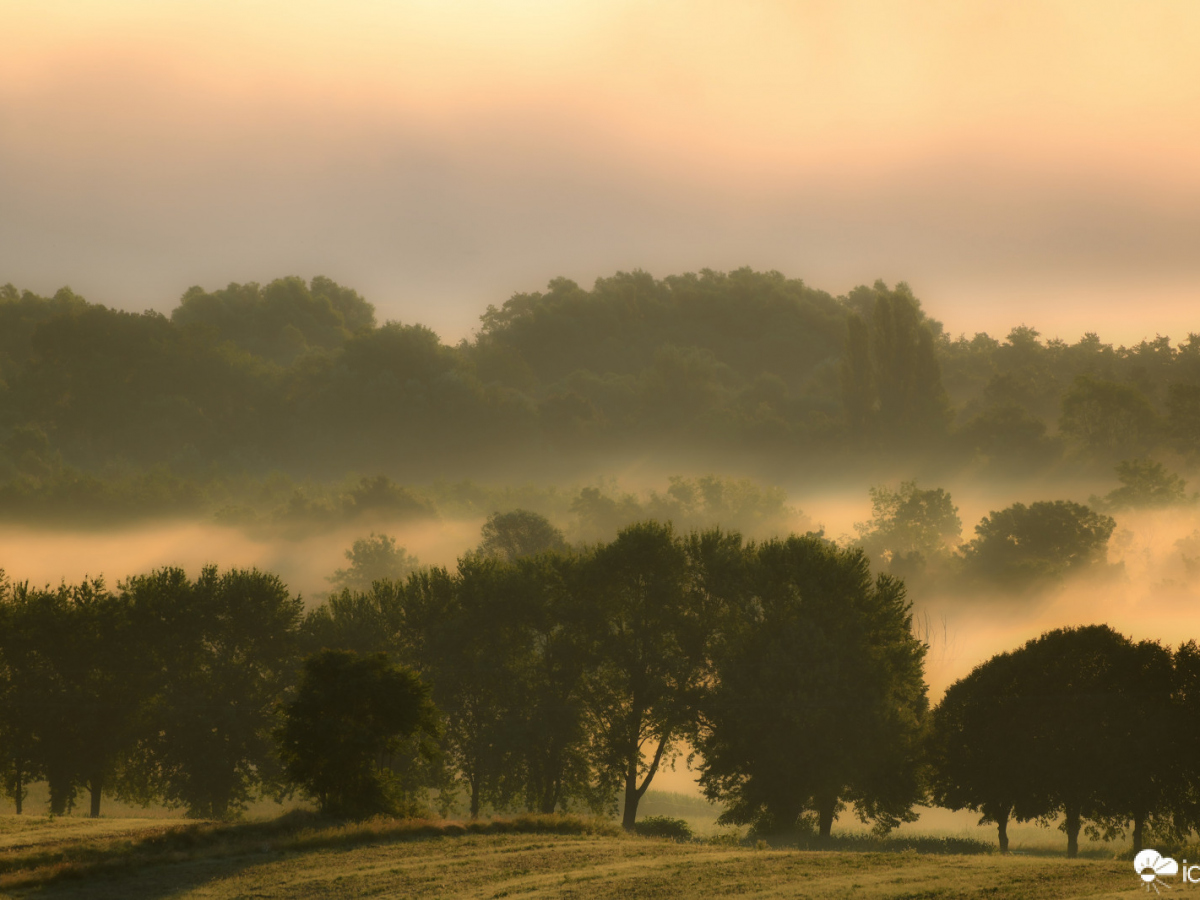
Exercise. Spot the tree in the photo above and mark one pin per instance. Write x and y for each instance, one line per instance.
(976, 743)
(912, 401)
(550, 675)
(374, 558)
(1183, 416)
(819, 697)
(1145, 483)
(1079, 722)
(519, 533)
(471, 626)
(1085, 716)
(909, 527)
(348, 719)
(857, 379)
(648, 666)
(76, 678)
(21, 680)
(1108, 418)
(226, 652)
(1022, 545)
(1185, 731)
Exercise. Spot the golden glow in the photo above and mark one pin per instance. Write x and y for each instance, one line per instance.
(976, 149)
(777, 87)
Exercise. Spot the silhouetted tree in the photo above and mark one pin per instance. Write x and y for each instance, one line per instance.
(23, 679)
(819, 696)
(76, 677)
(649, 665)
(979, 745)
(470, 628)
(350, 715)
(1022, 544)
(226, 649)
(1078, 722)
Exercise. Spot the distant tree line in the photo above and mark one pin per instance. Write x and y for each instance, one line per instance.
(298, 377)
(543, 677)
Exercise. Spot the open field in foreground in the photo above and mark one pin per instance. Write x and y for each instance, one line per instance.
(299, 857)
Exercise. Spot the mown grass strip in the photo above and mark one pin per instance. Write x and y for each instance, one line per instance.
(300, 831)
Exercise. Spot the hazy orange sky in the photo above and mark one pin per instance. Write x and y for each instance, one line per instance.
(1014, 162)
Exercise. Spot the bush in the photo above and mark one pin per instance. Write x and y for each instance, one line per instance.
(664, 827)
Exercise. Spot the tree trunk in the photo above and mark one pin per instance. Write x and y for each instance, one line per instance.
(1002, 830)
(550, 798)
(826, 810)
(475, 797)
(20, 792)
(633, 793)
(95, 785)
(1139, 825)
(60, 796)
(1073, 823)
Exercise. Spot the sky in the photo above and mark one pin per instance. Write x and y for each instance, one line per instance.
(1015, 162)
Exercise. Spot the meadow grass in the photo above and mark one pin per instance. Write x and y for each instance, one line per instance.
(300, 855)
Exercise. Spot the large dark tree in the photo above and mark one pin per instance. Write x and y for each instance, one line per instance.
(819, 697)
(348, 720)
(1078, 722)
(76, 676)
(649, 665)
(977, 748)
(550, 671)
(226, 648)
(470, 630)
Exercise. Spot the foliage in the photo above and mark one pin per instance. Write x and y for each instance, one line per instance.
(909, 527)
(1062, 726)
(374, 558)
(1107, 417)
(649, 663)
(346, 723)
(664, 827)
(1145, 483)
(1022, 545)
(975, 741)
(296, 377)
(519, 533)
(811, 638)
(225, 649)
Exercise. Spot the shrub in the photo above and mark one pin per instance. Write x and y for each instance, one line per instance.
(664, 827)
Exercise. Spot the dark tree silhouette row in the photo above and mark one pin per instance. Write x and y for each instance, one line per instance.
(547, 678)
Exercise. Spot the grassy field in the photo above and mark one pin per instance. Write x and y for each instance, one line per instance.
(298, 856)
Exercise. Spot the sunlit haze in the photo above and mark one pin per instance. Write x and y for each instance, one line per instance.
(1014, 162)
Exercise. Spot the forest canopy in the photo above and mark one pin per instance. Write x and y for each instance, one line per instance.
(708, 369)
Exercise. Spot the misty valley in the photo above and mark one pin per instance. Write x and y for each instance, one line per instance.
(718, 559)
